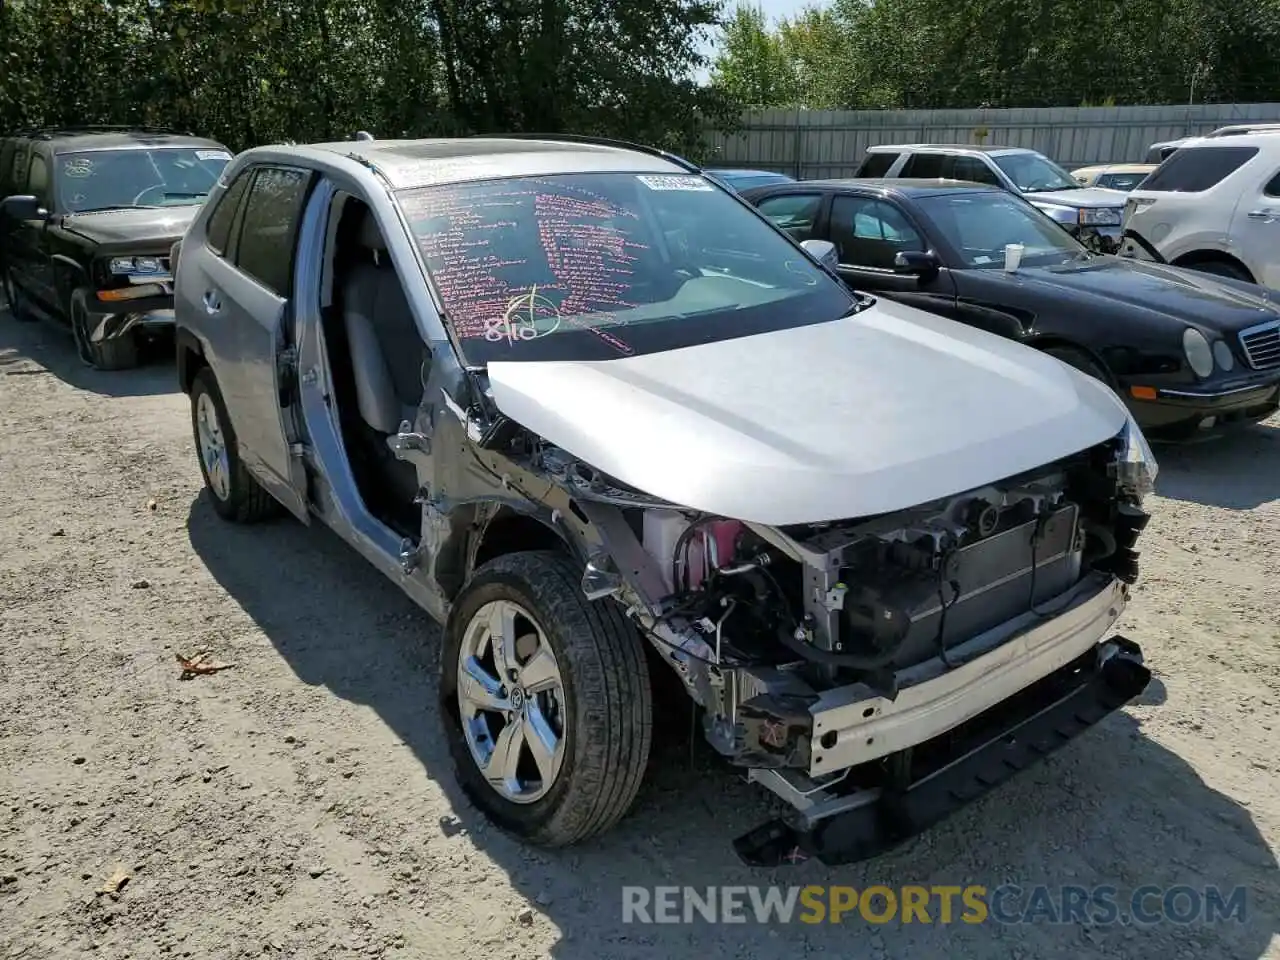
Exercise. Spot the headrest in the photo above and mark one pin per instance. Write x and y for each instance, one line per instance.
(370, 236)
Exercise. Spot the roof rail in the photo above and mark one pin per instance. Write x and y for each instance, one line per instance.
(597, 141)
(68, 130)
(1238, 129)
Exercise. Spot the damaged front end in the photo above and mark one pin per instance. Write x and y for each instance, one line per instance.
(876, 672)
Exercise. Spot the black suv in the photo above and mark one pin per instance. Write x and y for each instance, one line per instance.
(87, 220)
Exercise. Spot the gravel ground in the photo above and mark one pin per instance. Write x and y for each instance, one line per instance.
(297, 804)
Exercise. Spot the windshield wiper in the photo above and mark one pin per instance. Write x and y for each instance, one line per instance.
(185, 196)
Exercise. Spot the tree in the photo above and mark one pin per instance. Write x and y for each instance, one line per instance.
(254, 71)
(752, 67)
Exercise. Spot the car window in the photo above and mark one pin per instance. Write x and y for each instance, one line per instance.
(927, 166)
(793, 212)
(272, 211)
(973, 170)
(596, 266)
(91, 180)
(1272, 189)
(979, 224)
(218, 232)
(1194, 169)
(870, 233)
(877, 164)
(1034, 173)
(1121, 181)
(38, 178)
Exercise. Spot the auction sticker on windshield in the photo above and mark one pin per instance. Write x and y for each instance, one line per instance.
(212, 155)
(674, 183)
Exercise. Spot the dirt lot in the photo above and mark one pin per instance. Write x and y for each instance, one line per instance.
(298, 804)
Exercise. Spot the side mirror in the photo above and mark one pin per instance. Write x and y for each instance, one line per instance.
(23, 207)
(916, 262)
(824, 251)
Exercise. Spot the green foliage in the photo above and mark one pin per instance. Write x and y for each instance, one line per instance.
(255, 71)
(874, 54)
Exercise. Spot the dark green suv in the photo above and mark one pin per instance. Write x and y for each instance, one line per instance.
(87, 220)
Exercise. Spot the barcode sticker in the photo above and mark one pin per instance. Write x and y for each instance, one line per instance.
(654, 182)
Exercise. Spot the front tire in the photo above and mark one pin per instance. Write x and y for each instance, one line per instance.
(234, 493)
(18, 308)
(545, 700)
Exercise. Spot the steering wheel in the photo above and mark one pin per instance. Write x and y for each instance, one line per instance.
(137, 201)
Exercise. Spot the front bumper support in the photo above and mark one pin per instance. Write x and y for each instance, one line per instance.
(966, 762)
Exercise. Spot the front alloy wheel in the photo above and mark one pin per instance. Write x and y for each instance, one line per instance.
(544, 699)
(511, 701)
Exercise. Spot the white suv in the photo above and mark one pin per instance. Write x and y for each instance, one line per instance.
(1214, 206)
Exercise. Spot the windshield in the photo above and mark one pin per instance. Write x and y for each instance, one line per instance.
(1033, 173)
(1121, 181)
(602, 265)
(979, 225)
(745, 181)
(110, 179)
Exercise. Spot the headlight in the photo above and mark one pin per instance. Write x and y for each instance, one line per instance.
(1136, 467)
(130, 266)
(1099, 216)
(1199, 354)
(1222, 353)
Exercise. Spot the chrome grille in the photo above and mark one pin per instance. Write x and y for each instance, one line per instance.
(1262, 345)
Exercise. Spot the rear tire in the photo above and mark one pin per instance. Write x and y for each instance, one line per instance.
(18, 308)
(599, 707)
(119, 353)
(236, 496)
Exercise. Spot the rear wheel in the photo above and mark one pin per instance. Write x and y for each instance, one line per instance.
(545, 700)
(18, 308)
(235, 494)
(119, 353)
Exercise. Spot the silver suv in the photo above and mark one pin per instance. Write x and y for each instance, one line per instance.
(613, 429)
(1092, 214)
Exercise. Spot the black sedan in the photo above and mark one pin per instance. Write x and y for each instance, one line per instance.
(1188, 352)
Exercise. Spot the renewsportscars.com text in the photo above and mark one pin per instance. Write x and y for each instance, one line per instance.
(1008, 904)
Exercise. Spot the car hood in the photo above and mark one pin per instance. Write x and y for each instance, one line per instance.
(880, 411)
(1183, 296)
(145, 224)
(1084, 197)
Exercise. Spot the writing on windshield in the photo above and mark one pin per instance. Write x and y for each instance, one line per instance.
(503, 281)
(601, 265)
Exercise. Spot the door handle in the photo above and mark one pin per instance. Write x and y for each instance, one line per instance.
(1264, 215)
(212, 302)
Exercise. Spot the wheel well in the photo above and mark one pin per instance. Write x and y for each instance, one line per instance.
(1049, 343)
(511, 532)
(190, 362)
(1212, 256)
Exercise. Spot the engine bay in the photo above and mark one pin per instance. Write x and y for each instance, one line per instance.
(760, 622)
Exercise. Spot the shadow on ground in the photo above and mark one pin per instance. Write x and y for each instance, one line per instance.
(1114, 808)
(1237, 471)
(39, 348)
